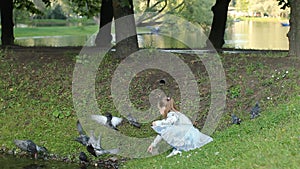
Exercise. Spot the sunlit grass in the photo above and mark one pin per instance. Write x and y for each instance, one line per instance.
(56, 31)
(270, 141)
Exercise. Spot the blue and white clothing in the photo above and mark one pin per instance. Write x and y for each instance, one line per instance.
(178, 131)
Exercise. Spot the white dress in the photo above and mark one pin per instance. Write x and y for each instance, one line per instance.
(178, 131)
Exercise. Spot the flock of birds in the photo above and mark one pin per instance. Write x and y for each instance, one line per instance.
(254, 113)
(93, 143)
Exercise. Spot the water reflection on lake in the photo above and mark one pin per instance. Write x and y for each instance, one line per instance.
(242, 35)
(257, 35)
(55, 41)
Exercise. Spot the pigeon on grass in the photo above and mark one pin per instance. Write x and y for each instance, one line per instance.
(31, 147)
(255, 111)
(235, 119)
(133, 121)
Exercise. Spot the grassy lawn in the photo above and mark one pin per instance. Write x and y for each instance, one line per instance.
(271, 141)
(62, 30)
(55, 31)
(36, 103)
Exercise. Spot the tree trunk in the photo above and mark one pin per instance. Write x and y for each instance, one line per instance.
(104, 37)
(125, 26)
(216, 36)
(294, 32)
(7, 25)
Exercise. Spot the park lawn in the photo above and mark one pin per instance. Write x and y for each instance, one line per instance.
(55, 31)
(62, 31)
(36, 103)
(270, 141)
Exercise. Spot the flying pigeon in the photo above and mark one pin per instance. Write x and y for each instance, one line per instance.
(255, 111)
(83, 138)
(94, 147)
(30, 146)
(235, 119)
(133, 121)
(107, 120)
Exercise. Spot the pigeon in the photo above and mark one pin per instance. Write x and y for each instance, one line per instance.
(30, 146)
(83, 158)
(235, 119)
(133, 121)
(94, 147)
(107, 120)
(83, 138)
(255, 111)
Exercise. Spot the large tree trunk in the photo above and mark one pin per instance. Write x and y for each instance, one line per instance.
(7, 25)
(124, 27)
(294, 32)
(216, 36)
(104, 37)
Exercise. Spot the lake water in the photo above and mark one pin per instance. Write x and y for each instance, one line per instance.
(240, 35)
(257, 35)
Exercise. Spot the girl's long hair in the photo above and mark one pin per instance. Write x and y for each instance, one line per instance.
(169, 105)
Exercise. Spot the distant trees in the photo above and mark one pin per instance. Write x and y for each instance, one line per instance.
(262, 7)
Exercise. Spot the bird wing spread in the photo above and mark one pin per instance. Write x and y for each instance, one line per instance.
(99, 119)
(115, 121)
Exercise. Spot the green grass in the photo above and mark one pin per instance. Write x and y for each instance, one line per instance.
(57, 22)
(61, 31)
(270, 141)
(55, 31)
(36, 103)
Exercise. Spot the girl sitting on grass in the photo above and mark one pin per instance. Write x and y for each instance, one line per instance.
(176, 129)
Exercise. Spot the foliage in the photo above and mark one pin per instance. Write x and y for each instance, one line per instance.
(198, 11)
(57, 13)
(87, 8)
(267, 7)
(284, 4)
(28, 5)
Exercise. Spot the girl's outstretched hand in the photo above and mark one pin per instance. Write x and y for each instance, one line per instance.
(150, 148)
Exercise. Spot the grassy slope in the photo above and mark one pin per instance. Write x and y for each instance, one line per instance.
(36, 103)
(32, 96)
(270, 141)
